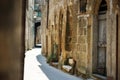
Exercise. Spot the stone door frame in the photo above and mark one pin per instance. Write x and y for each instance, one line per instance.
(95, 35)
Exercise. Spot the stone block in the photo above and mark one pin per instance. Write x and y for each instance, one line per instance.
(82, 39)
(74, 39)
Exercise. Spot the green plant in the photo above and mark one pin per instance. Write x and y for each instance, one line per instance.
(52, 58)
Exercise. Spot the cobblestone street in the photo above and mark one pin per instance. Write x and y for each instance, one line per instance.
(36, 68)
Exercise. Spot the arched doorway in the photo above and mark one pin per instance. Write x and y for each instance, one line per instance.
(101, 40)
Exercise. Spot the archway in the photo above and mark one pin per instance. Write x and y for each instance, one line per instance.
(36, 38)
(101, 41)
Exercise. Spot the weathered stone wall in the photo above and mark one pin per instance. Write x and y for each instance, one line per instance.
(75, 33)
(118, 48)
(82, 44)
(62, 27)
(44, 28)
(111, 36)
(29, 36)
(117, 10)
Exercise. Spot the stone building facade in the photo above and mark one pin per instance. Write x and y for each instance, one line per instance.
(86, 30)
(33, 23)
(44, 23)
(29, 29)
(37, 21)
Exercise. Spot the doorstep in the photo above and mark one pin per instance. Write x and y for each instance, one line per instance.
(99, 77)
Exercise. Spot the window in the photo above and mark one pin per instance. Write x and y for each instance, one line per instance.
(83, 4)
(39, 14)
(103, 7)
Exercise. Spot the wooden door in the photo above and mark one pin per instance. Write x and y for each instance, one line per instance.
(101, 62)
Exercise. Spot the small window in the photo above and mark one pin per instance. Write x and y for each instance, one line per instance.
(103, 7)
(83, 4)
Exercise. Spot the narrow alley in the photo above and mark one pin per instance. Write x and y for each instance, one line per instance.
(60, 40)
(36, 68)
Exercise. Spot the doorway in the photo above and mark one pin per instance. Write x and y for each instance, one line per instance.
(101, 53)
(37, 40)
(101, 40)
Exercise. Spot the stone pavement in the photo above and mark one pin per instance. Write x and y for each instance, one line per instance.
(36, 68)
